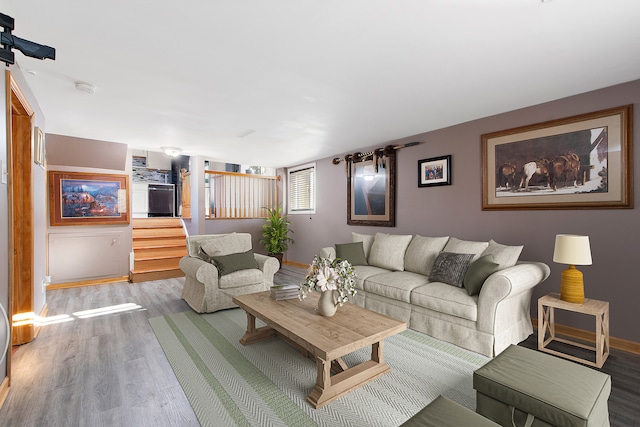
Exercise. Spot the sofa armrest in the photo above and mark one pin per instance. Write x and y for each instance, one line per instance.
(329, 252)
(505, 285)
(203, 271)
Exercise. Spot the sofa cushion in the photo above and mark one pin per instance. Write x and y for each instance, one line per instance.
(422, 252)
(352, 252)
(366, 239)
(450, 268)
(446, 299)
(363, 272)
(388, 251)
(227, 244)
(241, 278)
(227, 264)
(395, 285)
(478, 272)
(505, 256)
(458, 246)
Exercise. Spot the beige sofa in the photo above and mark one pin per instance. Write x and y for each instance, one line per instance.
(205, 289)
(396, 282)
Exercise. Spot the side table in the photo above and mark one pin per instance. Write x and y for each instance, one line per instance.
(546, 324)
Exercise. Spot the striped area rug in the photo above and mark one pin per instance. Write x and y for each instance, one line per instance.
(267, 383)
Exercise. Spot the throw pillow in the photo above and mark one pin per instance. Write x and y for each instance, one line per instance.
(422, 252)
(450, 268)
(388, 251)
(458, 246)
(366, 239)
(203, 255)
(505, 256)
(352, 252)
(478, 272)
(227, 264)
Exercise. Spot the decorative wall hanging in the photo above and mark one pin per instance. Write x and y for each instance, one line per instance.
(77, 198)
(579, 162)
(434, 171)
(371, 188)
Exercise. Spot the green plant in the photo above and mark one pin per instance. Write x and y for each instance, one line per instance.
(275, 232)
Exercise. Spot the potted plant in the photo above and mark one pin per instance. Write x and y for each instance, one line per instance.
(275, 233)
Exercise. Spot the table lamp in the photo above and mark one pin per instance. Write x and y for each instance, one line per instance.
(573, 250)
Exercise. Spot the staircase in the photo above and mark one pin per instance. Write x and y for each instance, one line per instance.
(158, 245)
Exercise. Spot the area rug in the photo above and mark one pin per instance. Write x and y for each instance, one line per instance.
(267, 383)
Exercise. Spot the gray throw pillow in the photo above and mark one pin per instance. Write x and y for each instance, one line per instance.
(352, 252)
(227, 264)
(450, 268)
(478, 272)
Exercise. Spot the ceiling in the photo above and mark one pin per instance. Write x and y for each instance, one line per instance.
(281, 82)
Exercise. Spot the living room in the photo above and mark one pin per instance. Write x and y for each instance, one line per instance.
(448, 210)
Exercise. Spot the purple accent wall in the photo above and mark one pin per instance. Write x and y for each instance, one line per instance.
(456, 210)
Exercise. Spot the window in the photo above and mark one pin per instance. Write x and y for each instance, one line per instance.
(302, 189)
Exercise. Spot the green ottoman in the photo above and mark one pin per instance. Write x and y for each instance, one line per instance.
(524, 387)
(443, 412)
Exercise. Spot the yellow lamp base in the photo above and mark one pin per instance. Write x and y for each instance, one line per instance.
(572, 285)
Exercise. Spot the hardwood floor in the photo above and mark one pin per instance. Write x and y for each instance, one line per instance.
(105, 367)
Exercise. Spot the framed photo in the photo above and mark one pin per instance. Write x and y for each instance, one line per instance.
(579, 162)
(38, 146)
(371, 191)
(77, 198)
(434, 171)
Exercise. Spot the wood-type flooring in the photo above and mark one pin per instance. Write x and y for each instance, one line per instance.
(96, 362)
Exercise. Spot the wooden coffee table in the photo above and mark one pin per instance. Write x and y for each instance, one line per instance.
(326, 339)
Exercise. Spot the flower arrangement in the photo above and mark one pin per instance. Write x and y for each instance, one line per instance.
(325, 274)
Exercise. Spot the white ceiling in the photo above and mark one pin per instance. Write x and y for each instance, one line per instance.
(311, 78)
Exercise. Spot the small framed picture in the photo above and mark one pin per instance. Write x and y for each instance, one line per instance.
(434, 171)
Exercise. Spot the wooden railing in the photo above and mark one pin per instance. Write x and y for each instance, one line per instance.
(239, 195)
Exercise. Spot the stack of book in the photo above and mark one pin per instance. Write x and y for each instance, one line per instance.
(281, 292)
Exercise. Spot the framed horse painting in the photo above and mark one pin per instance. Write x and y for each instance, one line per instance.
(579, 162)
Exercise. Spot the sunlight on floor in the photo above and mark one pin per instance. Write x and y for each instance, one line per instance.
(85, 314)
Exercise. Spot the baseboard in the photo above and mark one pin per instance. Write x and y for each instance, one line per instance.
(4, 389)
(295, 264)
(581, 334)
(88, 283)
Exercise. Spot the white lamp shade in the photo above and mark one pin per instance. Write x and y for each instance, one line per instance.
(572, 249)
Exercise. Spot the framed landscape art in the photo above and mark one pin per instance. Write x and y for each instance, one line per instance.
(371, 191)
(77, 198)
(579, 162)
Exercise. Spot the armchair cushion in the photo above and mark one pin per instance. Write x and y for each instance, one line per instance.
(227, 264)
(227, 244)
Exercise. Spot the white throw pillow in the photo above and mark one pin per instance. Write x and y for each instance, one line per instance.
(226, 245)
(388, 251)
(505, 256)
(422, 253)
(458, 246)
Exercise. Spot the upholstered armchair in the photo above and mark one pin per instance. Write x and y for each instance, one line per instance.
(221, 266)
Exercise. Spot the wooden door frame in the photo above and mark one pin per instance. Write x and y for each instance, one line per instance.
(20, 210)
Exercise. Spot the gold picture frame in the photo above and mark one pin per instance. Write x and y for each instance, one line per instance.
(579, 162)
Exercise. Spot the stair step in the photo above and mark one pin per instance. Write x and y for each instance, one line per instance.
(156, 223)
(145, 276)
(159, 252)
(152, 233)
(164, 242)
(156, 264)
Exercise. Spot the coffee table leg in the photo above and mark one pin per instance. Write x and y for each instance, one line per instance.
(329, 388)
(254, 334)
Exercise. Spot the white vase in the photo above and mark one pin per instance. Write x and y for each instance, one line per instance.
(327, 305)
